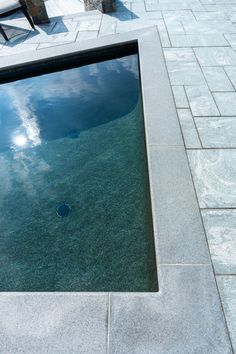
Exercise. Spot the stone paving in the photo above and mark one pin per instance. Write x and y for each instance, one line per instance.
(199, 42)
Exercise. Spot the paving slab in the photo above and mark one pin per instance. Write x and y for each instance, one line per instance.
(208, 27)
(180, 97)
(183, 318)
(210, 16)
(231, 72)
(216, 56)
(179, 235)
(217, 79)
(197, 40)
(183, 55)
(217, 132)
(185, 73)
(54, 323)
(189, 129)
(201, 101)
(226, 102)
(220, 226)
(227, 287)
(231, 38)
(179, 15)
(214, 174)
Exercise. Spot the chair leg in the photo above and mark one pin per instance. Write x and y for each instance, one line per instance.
(25, 12)
(3, 33)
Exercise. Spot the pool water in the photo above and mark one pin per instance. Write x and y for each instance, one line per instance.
(75, 211)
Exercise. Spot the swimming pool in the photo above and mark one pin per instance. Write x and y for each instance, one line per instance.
(75, 210)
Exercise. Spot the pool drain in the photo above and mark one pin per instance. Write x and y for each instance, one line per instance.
(63, 210)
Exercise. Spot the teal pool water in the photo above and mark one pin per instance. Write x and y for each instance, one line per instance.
(75, 138)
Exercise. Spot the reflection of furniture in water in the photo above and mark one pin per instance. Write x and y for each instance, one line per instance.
(8, 7)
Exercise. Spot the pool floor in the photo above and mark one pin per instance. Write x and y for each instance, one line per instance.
(105, 243)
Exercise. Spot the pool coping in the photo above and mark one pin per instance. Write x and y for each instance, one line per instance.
(176, 321)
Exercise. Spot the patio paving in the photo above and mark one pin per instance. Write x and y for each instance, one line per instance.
(199, 43)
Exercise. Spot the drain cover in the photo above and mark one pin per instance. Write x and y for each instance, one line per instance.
(63, 210)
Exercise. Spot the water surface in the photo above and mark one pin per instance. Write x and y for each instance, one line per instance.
(76, 137)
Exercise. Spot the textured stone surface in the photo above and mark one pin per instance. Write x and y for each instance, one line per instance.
(231, 72)
(217, 79)
(180, 97)
(214, 177)
(201, 101)
(189, 130)
(171, 321)
(197, 40)
(226, 101)
(227, 287)
(217, 132)
(54, 323)
(215, 56)
(179, 233)
(220, 226)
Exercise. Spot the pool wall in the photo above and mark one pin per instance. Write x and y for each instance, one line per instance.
(185, 316)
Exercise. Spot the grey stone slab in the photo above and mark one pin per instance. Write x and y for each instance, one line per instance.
(210, 16)
(217, 132)
(7, 51)
(182, 67)
(226, 7)
(201, 101)
(220, 226)
(136, 24)
(183, 55)
(54, 45)
(198, 40)
(184, 317)
(63, 37)
(179, 15)
(231, 72)
(188, 128)
(55, 323)
(174, 26)
(214, 174)
(185, 74)
(217, 79)
(226, 102)
(138, 6)
(108, 25)
(232, 16)
(164, 37)
(178, 229)
(216, 56)
(154, 15)
(82, 36)
(227, 287)
(180, 97)
(208, 27)
(231, 38)
(92, 24)
(156, 6)
(159, 110)
(64, 26)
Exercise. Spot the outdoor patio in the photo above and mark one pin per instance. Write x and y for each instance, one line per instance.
(199, 43)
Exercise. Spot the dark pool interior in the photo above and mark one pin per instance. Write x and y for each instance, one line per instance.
(75, 212)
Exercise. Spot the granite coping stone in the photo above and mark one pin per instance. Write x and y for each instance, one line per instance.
(184, 318)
